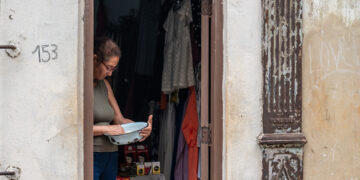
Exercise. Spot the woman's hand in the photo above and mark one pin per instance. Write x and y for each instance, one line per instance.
(146, 131)
(114, 130)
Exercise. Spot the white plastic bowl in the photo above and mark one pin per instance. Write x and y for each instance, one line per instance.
(132, 134)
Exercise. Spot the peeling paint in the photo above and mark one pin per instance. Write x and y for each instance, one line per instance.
(281, 56)
(282, 43)
(283, 163)
(348, 10)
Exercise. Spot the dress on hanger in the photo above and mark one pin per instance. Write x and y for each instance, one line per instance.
(178, 69)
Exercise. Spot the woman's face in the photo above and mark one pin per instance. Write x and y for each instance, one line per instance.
(102, 69)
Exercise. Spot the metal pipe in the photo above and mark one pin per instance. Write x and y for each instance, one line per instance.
(8, 47)
(7, 173)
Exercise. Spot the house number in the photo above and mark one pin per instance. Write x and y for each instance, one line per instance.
(46, 52)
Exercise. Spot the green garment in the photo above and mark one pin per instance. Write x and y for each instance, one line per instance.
(103, 115)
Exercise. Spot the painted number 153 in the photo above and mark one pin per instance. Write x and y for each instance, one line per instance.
(46, 52)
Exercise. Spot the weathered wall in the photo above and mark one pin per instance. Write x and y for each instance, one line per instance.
(41, 99)
(242, 85)
(331, 89)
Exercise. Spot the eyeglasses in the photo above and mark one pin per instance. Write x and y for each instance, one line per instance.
(108, 68)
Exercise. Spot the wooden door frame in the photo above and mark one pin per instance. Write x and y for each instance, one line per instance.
(88, 88)
(216, 86)
(216, 77)
(211, 97)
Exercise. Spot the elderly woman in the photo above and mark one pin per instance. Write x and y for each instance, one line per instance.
(107, 114)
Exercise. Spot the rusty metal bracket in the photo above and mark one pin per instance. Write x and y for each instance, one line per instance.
(206, 7)
(206, 135)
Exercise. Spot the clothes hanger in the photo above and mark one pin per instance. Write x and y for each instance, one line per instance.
(177, 4)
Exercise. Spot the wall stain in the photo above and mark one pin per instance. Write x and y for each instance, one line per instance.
(331, 79)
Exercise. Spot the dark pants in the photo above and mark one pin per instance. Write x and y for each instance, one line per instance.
(105, 165)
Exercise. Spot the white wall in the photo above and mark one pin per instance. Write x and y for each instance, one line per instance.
(41, 103)
(242, 89)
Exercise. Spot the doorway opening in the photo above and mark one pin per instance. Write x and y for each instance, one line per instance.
(158, 71)
(145, 33)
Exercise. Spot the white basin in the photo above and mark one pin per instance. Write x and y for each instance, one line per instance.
(132, 133)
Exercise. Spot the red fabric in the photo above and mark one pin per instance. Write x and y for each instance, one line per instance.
(163, 101)
(189, 128)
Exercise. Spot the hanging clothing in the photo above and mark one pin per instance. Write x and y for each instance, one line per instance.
(196, 54)
(116, 10)
(198, 104)
(178, 69)
(190, 130)
(166, 142)
(181, 167)
(149, 19)
(183, 98)
(197, 72)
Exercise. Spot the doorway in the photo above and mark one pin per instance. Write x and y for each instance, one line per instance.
(211, 77)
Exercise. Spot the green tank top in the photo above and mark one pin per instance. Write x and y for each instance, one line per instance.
(103, 115)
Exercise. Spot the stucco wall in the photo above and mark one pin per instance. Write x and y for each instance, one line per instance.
(242, 83)
(41, 102)
(331, 89)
